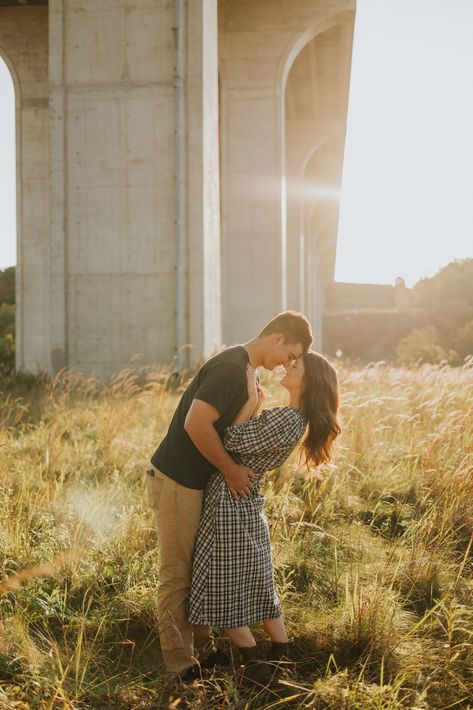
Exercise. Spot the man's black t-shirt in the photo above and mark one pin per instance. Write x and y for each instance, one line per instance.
(221, 382)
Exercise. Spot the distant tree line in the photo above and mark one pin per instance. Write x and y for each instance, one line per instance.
(7, 321)
(432, 322)
(440, 329)
(446, 303)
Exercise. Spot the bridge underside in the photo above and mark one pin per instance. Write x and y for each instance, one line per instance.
(138, 232)
(316, 104)
(13, 3)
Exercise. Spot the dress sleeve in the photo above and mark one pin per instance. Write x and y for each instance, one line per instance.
(271, 430)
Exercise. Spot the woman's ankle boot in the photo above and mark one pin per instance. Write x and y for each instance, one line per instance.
(282, 651)
(255, 669)
(282, 655)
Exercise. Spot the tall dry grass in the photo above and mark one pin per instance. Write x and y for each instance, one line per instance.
(373, 557)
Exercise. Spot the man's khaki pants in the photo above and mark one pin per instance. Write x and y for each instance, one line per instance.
(177, 512)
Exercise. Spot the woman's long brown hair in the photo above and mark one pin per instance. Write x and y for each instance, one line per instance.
(320, 400)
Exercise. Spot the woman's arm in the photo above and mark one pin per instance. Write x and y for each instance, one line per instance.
(245, 413)
(274, 429)
(260, 400)
(252, 405)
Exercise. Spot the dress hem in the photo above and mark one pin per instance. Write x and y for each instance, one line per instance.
(214, 621)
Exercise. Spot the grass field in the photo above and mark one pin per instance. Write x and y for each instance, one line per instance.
(373, 557)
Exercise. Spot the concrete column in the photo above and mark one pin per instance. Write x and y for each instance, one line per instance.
(57, 196)
(24, 46)
(295, 245)
(114, 182)
(316, 280)
(204, 304)
(252, 239)
(303, 139)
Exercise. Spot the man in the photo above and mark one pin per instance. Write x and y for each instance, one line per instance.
(189, 453)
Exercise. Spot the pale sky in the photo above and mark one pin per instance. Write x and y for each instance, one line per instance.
(407, 194)
(7, 170)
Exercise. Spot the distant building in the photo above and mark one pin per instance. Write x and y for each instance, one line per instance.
(367, 321)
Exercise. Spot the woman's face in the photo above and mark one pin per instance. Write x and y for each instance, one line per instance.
(294, 377)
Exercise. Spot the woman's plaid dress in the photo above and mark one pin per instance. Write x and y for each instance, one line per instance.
(232, 576)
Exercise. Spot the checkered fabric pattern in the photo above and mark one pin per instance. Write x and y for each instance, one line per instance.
(232, 577)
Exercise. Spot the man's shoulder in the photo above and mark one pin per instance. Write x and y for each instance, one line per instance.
(235, 356)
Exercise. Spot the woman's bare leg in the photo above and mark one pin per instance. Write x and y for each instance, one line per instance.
(276, 630)
(241, 636)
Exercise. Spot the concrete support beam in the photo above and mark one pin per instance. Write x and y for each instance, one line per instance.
(58, 197)
(204, 185)
(316, 108)
(24, 47)
(114, 182)
(259, 43)
(251, 210)
(295, 248)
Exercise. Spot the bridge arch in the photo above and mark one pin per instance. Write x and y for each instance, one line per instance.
(24, 49)
(313, 123)
(300, 39)
(10, 68)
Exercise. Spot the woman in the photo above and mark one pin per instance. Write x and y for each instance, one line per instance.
(232, 579)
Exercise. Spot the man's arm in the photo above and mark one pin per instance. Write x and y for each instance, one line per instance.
(199, 424)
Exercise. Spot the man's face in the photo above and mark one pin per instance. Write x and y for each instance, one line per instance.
(281, 353)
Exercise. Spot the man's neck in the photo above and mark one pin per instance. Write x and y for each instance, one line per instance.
(255, 352)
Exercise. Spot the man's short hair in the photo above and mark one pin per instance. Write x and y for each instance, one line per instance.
(293, 325)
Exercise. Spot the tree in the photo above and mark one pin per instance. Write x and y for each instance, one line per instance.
(421, 345)
(7, 321)
(464, 340)
(447, 300)
(7, 285)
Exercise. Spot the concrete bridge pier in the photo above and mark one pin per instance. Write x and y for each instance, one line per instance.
(24, 48)
(134, 182)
